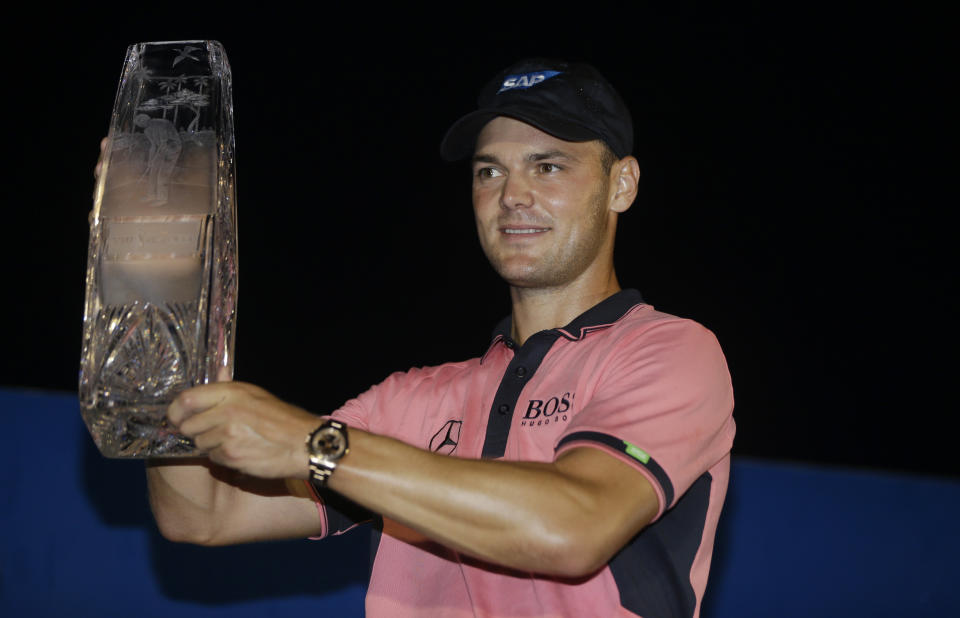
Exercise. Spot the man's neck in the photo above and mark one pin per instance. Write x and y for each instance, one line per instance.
(537, 309)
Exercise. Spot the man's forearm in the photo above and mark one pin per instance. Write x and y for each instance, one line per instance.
(530, 516)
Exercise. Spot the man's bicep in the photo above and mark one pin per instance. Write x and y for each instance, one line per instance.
(619, 494)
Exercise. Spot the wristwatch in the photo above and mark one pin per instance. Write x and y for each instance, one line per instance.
(326, 445)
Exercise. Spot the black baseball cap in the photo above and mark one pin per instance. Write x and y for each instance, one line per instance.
(571, 101)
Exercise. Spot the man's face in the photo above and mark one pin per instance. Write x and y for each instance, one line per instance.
(541, 205)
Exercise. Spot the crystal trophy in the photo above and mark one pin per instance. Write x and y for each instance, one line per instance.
(161, 280)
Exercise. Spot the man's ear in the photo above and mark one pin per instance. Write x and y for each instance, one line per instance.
(625, 176)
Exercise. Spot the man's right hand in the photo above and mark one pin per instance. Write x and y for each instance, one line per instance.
(244, 427)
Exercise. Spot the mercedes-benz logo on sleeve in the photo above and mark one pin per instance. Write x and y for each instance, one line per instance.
(445, 441)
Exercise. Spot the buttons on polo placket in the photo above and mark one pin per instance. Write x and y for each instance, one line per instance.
(522, 368)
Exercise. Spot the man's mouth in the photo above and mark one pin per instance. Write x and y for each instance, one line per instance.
(524, 230)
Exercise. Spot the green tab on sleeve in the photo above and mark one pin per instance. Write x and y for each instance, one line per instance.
(636, 452)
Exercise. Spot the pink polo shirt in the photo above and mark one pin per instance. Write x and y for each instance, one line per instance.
(646, 387)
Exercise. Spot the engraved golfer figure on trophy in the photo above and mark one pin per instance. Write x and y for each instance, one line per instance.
(165, 148)
(161, 271)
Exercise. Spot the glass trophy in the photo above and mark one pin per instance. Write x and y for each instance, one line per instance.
(161, 282)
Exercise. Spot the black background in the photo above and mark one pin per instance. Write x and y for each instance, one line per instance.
(792, 199)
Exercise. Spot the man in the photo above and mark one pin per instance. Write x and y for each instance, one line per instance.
(576, 468)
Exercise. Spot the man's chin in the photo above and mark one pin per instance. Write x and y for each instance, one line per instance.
(526, 271)
(528, 278)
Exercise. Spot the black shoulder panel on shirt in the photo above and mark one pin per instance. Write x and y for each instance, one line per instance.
(652, 571)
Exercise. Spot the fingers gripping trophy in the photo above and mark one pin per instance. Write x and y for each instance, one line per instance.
(161, 281)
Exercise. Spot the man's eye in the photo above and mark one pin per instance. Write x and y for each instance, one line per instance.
(547, 168)
(488, 172)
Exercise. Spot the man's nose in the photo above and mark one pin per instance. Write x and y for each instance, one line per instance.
(516, 192)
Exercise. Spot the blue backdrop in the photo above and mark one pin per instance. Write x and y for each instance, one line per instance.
(795, 540)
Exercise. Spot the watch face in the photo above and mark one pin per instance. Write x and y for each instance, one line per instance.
(328, 442)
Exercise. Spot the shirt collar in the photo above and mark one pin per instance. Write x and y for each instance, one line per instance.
(602, 315)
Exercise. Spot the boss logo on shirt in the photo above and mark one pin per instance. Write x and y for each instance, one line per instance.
(547, 411)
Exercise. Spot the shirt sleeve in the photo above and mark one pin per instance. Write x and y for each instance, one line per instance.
(664, 404)
(355, 412)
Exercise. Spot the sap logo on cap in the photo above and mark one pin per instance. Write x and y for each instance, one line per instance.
(526, 80)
